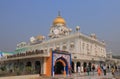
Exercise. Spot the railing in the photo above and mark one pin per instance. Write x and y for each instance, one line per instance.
(27, 54)
(88, 57)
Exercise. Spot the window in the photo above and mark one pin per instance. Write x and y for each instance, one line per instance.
(88, 52)
(45, 50)
(91, 47)
(64, 47)
(58, 47)
(87, 47)
(72, 45)
(83, 46)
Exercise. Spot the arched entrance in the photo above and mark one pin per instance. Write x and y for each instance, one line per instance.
(37, 67)
(28, 68)
(61, 66)
(84, 66)
(61, 59)
(78, 64)
(72, 67)
(21, 66)
(29, 64)
(90, 65)
(58, 68)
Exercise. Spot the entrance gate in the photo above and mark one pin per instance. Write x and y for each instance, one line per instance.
(61, 66)
(60, 62)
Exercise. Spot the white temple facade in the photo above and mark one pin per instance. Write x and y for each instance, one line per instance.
(85, 50)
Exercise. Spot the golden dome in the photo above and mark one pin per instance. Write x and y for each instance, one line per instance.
(58, 20)
(39, 37)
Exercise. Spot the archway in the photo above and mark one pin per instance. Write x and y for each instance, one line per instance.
(78, 64)
(60, 57)
(28, 68)
(29, 64)
(84, 66)
(72, 67)
(59, 67)
(21, 66)
(37, 67)
(90, 65)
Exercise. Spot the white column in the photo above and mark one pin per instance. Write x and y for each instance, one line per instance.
(75, 66)
(81, 67)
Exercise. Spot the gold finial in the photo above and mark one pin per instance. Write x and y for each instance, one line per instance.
(59, 19)
(58, 13)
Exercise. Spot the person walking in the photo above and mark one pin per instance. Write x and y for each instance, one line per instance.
(113, 70)
(108, 68)
(79, 70)
(99, 70)
(82, 70)
(88, 70)
(104, 69)
(93, 68)
(70, 70)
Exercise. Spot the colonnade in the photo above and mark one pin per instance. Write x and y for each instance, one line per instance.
(35, 66)
(83, 64)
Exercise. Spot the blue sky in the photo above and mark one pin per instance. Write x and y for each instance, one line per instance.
(21, 19)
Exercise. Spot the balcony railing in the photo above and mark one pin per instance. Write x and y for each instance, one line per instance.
(27, 54)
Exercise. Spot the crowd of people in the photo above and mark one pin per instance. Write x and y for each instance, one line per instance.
(100, 69)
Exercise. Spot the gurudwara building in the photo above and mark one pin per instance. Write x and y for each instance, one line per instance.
(55, 55)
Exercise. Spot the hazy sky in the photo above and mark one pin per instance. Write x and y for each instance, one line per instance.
(21, 19)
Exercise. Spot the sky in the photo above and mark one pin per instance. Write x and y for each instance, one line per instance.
(22, 19)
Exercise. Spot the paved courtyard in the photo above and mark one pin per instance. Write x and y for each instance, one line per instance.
(73, 76)
(85, 76)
